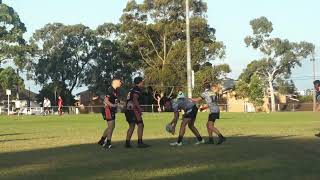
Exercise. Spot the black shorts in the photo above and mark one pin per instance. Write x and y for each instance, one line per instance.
(131, 117)
(108, 115)
(214, 116)
(192, 114)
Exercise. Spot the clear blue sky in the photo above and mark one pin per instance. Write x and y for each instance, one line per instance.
(295, 20)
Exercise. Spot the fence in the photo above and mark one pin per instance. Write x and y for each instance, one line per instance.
(291, 107)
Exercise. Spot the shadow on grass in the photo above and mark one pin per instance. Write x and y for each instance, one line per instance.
(241, 157)
(11, 134)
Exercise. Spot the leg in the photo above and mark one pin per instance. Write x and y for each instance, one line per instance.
(183, 129)
(140, 131)
(130, 132)
(109, 131)
(194, 130)
(209, 129)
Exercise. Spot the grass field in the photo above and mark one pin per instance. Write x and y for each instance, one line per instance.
(259, 147)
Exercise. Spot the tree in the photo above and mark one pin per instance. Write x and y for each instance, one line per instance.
(65, 54)
(114, 59)
(156, 30)
(211, 74)
(280, 55)
(253, 90)
(9, 79)
(12, 43)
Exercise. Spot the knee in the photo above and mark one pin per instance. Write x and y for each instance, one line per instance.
(140, 124)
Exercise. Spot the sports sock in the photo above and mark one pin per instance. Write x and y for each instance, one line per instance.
(220, 136)
(108, 141)
(139, 141)
(180, 139)
(102, 138)
(127, 142)
(199, 138)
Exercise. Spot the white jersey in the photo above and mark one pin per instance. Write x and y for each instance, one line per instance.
(211, 98)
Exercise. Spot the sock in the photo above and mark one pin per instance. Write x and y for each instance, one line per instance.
(180, 139)
(139, 141)
(102, 138)
(127, 142)
(199, 138)
(220, 136)
(210, 139)
(108, 141)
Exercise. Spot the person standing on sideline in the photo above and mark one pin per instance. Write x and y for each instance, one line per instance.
(45, 106)
(134, 113)
(111, 102)
(60, 105)
(210, 96)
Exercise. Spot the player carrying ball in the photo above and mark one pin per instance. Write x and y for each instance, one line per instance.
(190, 113)
(210, 96)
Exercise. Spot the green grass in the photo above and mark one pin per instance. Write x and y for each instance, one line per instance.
(259, 147)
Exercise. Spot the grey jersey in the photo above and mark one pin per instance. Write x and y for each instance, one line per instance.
(183, 104)
(211, 98)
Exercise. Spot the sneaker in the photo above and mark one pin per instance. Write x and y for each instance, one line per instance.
(318, 135)
(200, 142)
(221, 140)
(209, 142)
(176, 144)
(143, 145)
(107, 146)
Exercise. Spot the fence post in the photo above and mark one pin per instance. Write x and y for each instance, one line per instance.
(279, 107)
(293, 107)
(152, 108)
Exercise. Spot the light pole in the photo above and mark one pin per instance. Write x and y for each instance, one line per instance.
(313, 59)
(189, 71)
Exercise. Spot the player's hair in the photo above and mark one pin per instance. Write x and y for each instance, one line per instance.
(207, 85)
(316, 82)
(137, 80)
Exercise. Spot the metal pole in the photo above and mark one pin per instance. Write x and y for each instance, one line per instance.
(8, 105)
(314, 78)
(189, 73)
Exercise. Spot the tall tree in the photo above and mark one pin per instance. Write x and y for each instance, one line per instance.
(65, 53)
(12, 43)
(9, 79)
(280, 55)
(114, 59)
(156, 30)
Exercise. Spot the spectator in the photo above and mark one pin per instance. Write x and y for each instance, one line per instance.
(60, 105)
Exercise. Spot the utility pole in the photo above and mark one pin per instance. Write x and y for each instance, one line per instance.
(313, 59)
(189, 71)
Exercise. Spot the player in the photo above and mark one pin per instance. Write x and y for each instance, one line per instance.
(60, 105)
(317, 89)
(190, 113)
(210, 96)
(109, 114)
(133, 113)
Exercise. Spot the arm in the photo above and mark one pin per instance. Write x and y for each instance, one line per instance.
(136, 104)
(108, 103)
(196, 100)
(174, 121)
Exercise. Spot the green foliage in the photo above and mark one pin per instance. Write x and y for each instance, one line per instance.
(285, 86)
(306, 99)
(209, 73)
(156, 30)
(52, 91)
(12, 44)
(252, 89)
(9, 79)
(280, 55)
(65, 53)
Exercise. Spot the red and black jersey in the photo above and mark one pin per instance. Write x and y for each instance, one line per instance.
(112, 96)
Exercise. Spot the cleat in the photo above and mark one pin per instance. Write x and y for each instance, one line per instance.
(101, 142)
(107, 146)
(127, 146)
(221, 140)
(200, 142)
(176, 144)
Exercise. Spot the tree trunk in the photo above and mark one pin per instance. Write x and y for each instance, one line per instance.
(272, 96)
